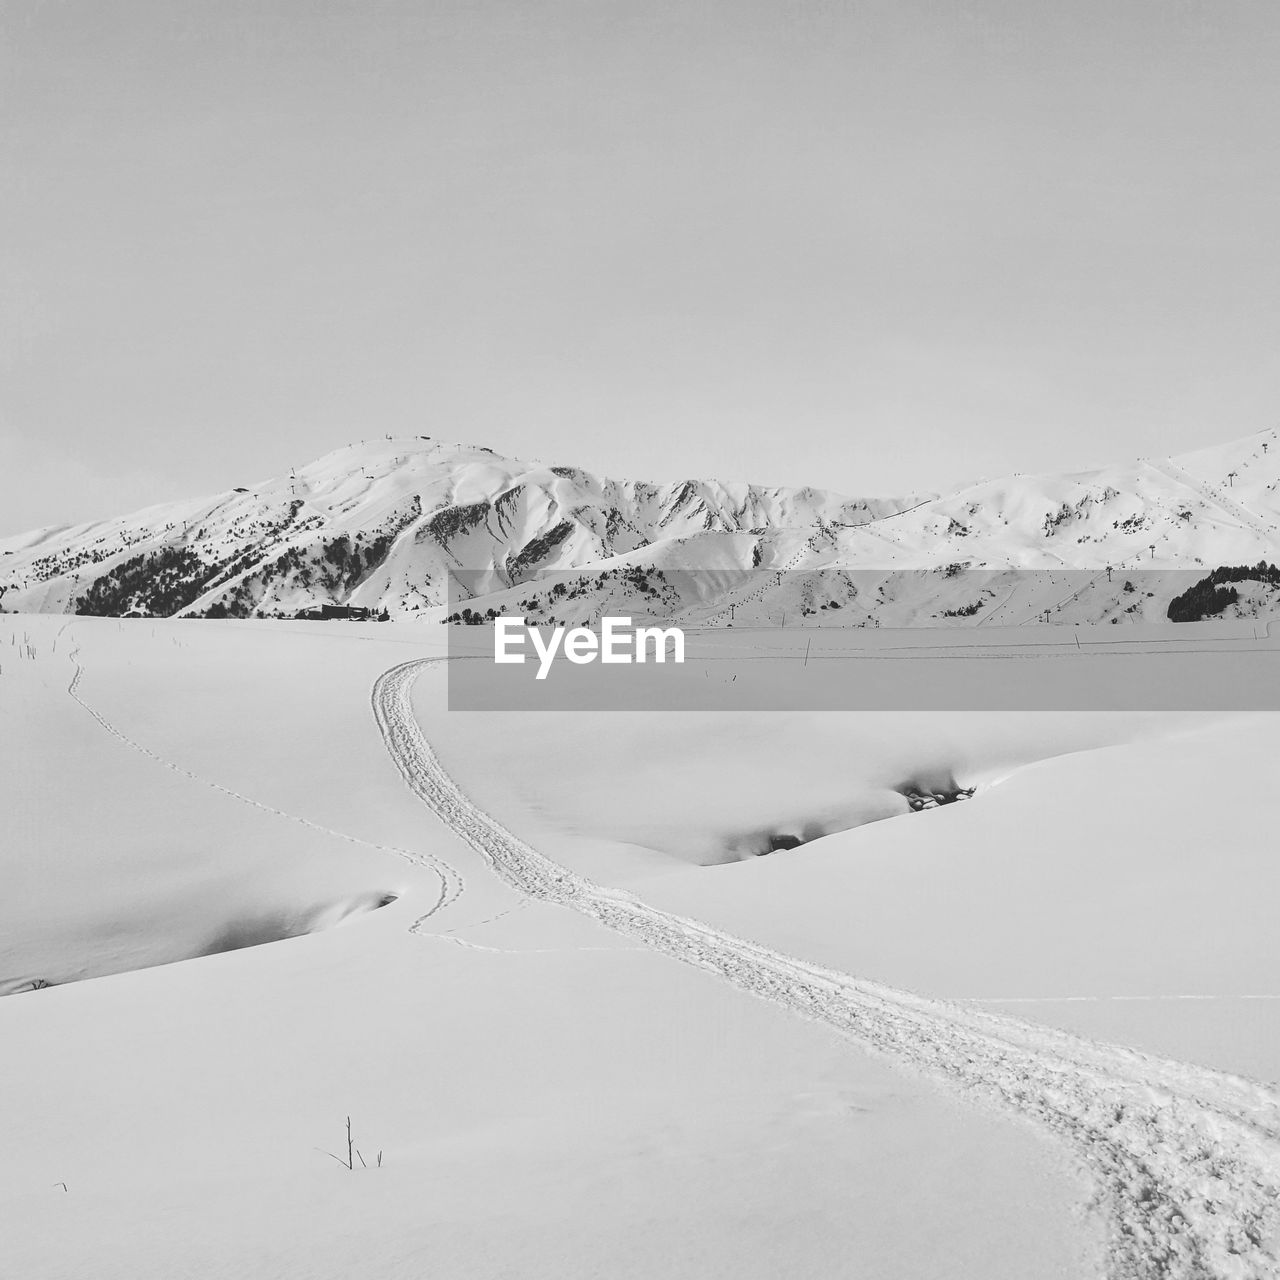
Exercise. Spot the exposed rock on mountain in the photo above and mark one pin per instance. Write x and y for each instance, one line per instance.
(403, 525)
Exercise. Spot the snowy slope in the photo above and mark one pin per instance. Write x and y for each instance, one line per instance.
(382, 524)
(1111, 545)
(552, 1100)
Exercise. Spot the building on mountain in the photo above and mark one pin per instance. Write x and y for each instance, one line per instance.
(343, 613)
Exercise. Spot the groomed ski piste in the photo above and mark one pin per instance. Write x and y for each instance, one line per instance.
(1185, 1160)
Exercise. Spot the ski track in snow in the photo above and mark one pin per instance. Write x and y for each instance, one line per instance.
(1186, 1160)
(451, 883)
(524, 951)
(1103, 999)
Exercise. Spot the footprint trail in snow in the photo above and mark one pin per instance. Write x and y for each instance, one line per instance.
(1186, 1160)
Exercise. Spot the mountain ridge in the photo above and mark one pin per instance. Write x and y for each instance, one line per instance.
(390, 524)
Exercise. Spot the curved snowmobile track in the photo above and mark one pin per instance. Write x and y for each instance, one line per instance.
(1186, 1160)
(451, 885)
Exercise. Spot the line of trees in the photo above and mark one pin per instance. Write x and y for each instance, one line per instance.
(1214, 593)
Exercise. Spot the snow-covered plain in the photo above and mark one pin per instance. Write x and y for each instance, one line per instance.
(554, 1093)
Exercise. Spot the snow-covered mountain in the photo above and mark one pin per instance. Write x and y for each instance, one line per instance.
(382, 525)
(389, 524)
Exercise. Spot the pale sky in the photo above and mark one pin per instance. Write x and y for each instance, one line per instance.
(869, 246)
